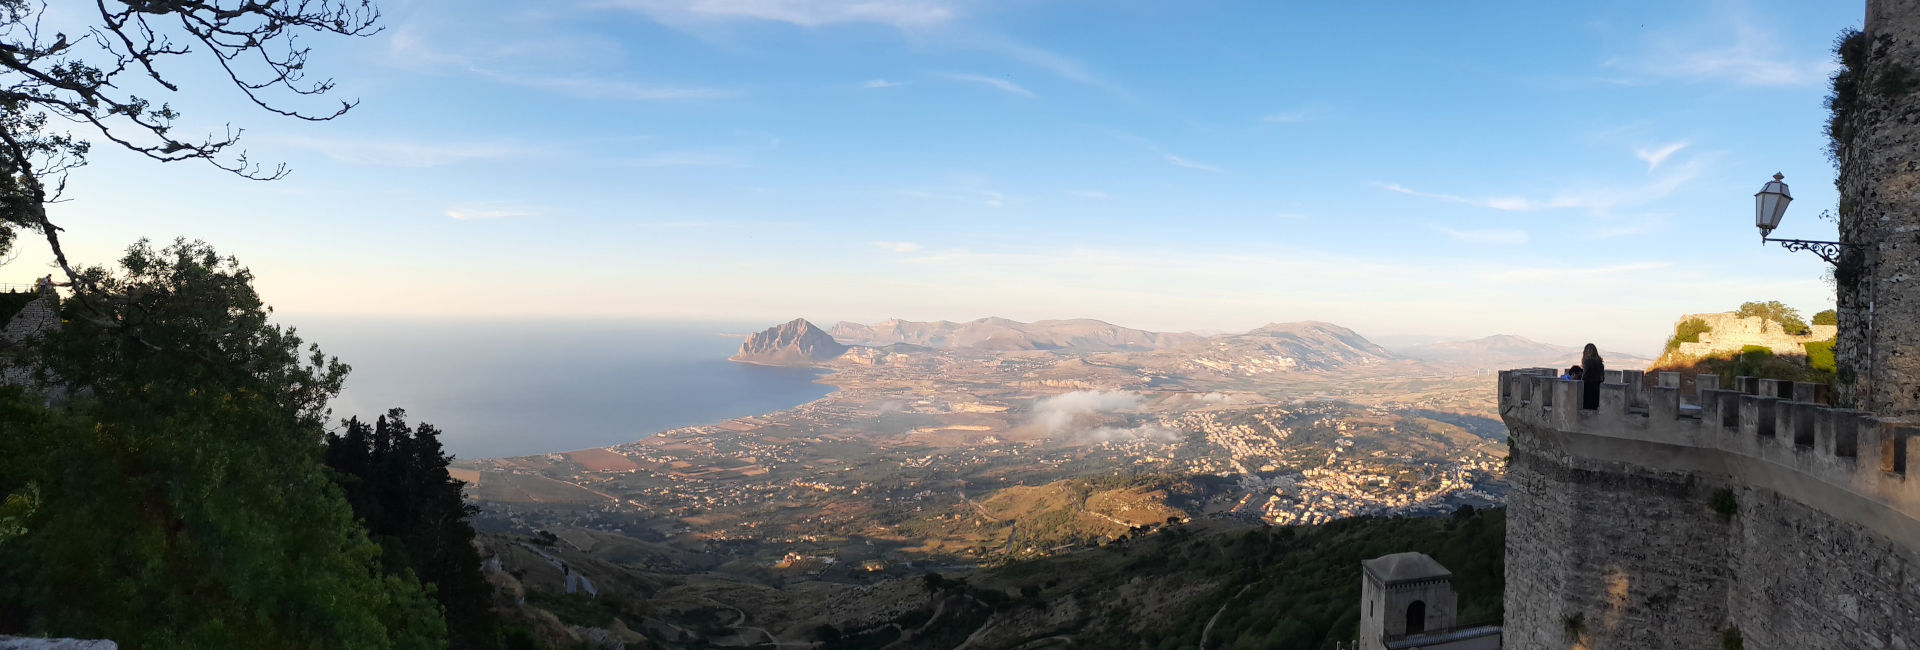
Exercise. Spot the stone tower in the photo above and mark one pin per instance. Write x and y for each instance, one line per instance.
(1407, 601)
(1877, 146)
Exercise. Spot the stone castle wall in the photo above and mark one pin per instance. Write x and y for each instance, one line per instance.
(1879, 210)
(1612, 540)
(1731, 333)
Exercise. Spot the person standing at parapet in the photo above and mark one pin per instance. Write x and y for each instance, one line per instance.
(1592, 372)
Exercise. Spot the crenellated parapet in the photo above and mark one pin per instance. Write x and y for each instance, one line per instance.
(1669, 515)
(1781, 423)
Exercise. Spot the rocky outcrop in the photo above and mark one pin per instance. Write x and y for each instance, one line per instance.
(794, 343)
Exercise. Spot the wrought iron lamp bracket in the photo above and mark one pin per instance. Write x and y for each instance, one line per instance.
(1831, 251)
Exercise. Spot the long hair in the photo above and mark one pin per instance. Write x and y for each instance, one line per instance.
(1590, 356)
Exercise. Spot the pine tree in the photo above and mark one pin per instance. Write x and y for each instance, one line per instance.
(396, 479)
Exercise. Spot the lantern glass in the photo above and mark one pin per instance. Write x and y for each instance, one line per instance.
(1770, 204)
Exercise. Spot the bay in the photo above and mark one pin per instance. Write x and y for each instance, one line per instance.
(519, 387)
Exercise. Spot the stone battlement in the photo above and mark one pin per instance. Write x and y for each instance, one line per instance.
(1667, 517)
(1778, 423)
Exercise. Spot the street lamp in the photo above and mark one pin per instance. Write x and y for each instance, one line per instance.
(1770, 203)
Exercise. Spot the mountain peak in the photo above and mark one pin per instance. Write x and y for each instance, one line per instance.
(793, 343)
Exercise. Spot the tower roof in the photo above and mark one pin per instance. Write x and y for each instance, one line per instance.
(1400, 567)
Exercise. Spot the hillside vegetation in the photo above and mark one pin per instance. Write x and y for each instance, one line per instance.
(1159, 586)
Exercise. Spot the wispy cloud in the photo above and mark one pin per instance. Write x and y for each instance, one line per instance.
(1590, 274)
(872, 84)
(1090, 194)
(1486, 236)
(962, 188)
(512, 64)
(905, 14)
(1596, 200)
(475, 213)
(1654, 157)
(1182, 162)
(992, 82)
(402, 153)
(1753, 58)
(590, 88)
(690, 158)
(1295, 116)
(898, 246)
(1058, 64)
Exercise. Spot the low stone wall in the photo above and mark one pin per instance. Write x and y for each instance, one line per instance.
(1613, 542)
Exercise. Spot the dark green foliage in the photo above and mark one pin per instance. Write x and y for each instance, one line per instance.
(395, 477)
(1575, 626)
(1850, 50)
(1687, 331)
(1827, 317)
(1722, 502)
(183, 503)
(1730, 639)
(1776, 311)
(1820, 355)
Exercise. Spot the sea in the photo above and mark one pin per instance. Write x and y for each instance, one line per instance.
(500, 388)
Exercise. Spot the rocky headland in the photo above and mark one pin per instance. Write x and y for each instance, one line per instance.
(793, 343)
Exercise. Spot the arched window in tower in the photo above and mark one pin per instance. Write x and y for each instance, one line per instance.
(1417, 617)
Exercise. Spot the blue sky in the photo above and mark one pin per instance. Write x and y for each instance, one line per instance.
(1569, 172)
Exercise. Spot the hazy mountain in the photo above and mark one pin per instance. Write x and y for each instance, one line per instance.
(794, 343)
(1004, 334)
(1502, 351)
(1305, 345)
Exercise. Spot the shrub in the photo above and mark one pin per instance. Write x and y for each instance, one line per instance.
(1687, 331)
(1723, 502)
(1730, 639)
(1820, 355)
(1827, 317)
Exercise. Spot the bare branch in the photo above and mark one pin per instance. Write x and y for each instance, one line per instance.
(255, 42)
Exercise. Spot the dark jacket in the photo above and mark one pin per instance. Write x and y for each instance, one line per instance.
(1592, 372)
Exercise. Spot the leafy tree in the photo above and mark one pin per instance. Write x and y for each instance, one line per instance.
(1826, 317)
(182, 500)
(395, 477)
(1776, 311)
(105, 77)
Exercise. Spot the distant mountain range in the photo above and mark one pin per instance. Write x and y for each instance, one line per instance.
(1004, 334)
(1305, 345)
(1502, 351)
